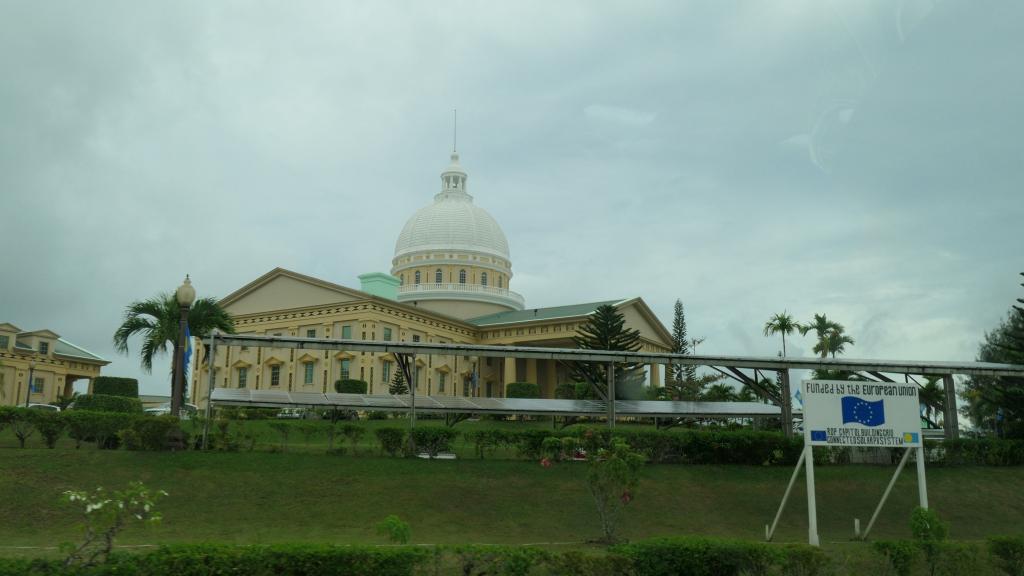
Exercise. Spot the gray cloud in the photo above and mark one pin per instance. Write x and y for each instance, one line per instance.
(856, 159)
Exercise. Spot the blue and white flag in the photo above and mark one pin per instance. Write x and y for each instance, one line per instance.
(860, 411)
(188, 350)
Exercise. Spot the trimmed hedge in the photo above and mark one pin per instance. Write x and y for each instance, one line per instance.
(115, 386)
(1008, 552)
(522, 390)
(106, 403)
(350, 386)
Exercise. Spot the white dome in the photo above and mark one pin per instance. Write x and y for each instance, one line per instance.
(452, 222)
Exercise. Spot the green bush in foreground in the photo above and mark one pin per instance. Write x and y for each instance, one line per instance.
(1008, 552)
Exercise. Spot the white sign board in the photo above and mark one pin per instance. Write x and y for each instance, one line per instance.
(859, 413)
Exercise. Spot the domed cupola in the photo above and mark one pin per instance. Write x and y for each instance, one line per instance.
(452, 256)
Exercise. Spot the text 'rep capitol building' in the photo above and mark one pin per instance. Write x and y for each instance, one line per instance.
(450, 282)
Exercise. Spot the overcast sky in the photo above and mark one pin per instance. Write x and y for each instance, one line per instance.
(860, 159)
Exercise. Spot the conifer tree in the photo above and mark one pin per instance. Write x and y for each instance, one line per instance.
(398, 385)
(606, 330)
(681, 345)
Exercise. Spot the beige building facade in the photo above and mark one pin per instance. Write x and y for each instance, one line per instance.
(40, 367)
(451, 275)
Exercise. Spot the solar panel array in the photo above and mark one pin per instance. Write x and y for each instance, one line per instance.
(513, 406)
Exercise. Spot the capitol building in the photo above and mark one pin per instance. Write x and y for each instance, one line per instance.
(450, 282)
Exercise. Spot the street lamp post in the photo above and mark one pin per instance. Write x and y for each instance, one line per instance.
(185, 295)
(31, 376)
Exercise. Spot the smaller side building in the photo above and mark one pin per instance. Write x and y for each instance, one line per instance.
(40, 366)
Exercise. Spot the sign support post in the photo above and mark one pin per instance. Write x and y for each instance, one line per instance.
(812, 505)
(922, 483)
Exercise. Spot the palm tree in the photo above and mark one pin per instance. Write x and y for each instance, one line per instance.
(821, 326)
(932, 396)
(156, 320)
(781, 323)
(719, 393)
(836, 341)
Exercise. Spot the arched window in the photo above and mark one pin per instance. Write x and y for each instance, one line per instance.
(462, 276)
(402, 281)
(438, 278)
(501, 281)
(417, 277)
(483, 278)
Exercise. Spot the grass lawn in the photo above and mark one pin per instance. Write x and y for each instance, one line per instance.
(262, 497)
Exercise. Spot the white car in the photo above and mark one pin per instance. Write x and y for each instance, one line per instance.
(187, 410)
(45, 407)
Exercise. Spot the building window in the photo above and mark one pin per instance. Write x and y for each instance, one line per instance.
(385, 374)
(37, 385)
(44, 347)
(415, 338)
(387, 334)
(501, 281)
(243, 377)
(346, 332)
(417, 277)
(483, 279)
(311, 333)
(416, 377)
(401, 281)
(275, 375)
(308, 376)
(345, 368)
(440, 381)
(438, 278)
(462, 276)
(5, 341)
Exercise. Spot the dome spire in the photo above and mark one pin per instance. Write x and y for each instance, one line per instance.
(455, 130)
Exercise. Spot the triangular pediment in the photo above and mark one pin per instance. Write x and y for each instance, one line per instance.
(640, 317)
(272, 361)
(307, 357)
(241, 364)
(282, 289)
(40, 334)
(7, 327)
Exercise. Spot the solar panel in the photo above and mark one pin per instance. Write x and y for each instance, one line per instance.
(524, 406)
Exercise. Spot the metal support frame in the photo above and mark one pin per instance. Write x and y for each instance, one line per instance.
(922, 486)
(950, 422)
(611, 394)
(769, 533)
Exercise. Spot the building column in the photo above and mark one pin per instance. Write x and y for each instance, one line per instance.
(510, 371)
(531, 370)
(655, 375)
(552, 379)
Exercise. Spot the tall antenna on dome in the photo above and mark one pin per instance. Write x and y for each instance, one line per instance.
(455, 129)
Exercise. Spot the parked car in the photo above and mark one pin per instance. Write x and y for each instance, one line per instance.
(188, 410)
(291, 413)
(45, 407)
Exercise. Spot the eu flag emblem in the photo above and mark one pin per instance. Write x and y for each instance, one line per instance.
(819, 436)
(861, 411)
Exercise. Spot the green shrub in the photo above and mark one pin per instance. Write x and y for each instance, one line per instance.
(99, 427)
(433, 440)
(698, 557)
(522, 390)
(352, 433)
(105, 403)
(1008, 552)
(115, 386)
(392, 440)
(350, 386)
(799, 560)
(395, 529)
(130, 439)
(899, 554)
(485, 441)
(978, 452)
(22, 422)
(497, 560)
(51, 426)
(154, 432)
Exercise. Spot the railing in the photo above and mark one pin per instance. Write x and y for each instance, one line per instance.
(432, 289)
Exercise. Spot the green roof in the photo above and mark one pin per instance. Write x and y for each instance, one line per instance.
(531, 314)
(65, 348)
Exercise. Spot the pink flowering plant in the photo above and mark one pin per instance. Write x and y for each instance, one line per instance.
(612, 476)
(104, 515)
